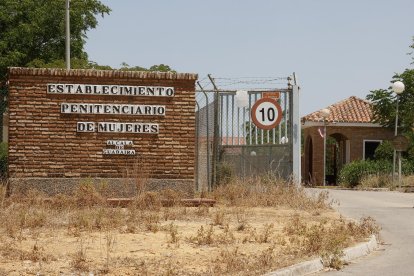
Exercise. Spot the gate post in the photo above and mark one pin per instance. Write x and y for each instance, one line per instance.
(296, 133)
(216, 132)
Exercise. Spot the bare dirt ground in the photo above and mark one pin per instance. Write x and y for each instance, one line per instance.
(249, 232)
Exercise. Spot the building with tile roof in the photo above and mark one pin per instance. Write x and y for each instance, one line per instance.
(352, 135)
(351, 110)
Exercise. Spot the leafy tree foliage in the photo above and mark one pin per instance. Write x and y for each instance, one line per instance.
(32, 33)
(384, 108)
(384, 151)
(159, 68)
(75, 63)
(385, 102)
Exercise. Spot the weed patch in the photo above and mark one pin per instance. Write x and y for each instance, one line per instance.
(257, 225)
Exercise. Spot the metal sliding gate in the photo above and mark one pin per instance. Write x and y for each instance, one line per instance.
(231, 143)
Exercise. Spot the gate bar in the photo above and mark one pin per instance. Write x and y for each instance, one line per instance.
(232, 120)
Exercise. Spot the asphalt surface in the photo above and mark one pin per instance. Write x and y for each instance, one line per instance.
(394, 212)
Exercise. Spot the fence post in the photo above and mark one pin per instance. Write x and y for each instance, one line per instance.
(296, 133)
(216, 131)
(197, 146)
(207, 107)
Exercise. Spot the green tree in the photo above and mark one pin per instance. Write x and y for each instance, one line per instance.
(385, 110)
(32, 33)
(385, 107)
(385, 102)
(159, 68)
(162, 68)
(75, 63)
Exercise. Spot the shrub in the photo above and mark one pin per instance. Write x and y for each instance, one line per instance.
(384, 151)
(3, 160)
(148, 201)
(87, 195)
(376, 181)
(407, 167)
(352, 174)
(225, 173)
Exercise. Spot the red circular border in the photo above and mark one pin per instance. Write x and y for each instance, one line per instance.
(256, 105)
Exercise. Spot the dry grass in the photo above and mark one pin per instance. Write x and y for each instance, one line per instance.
(376, 181)
(79, 260)
(268, 193)
(257, 226)
(326, 238)
(385, 181)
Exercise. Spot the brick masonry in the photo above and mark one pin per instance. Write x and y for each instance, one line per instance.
(44, 143)
(356, 136)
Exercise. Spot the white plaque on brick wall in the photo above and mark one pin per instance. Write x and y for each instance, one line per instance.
(119, 147)
(114, 90)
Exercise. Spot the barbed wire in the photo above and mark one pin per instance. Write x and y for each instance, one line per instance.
(248, 83)
(233, 78)
(203, 79)
(255, 82)
(204, 82)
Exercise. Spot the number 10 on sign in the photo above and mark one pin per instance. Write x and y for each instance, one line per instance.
(266, 113)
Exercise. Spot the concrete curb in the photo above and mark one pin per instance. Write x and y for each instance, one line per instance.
(352, 189)
(360, 250)
(299, 269)
(316, 265)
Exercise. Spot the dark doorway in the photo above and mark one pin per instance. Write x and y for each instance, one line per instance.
(335, 157)
(309, 160)
(369, 148)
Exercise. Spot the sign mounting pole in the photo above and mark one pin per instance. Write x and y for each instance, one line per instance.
(67, 21)
(296, 134)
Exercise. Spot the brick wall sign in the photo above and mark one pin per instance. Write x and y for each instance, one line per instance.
(67, 125)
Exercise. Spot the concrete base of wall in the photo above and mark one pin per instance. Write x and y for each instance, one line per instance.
(113, 187)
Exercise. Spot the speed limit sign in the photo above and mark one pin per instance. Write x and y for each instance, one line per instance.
(266, 113)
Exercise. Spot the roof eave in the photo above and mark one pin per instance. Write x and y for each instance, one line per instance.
(308, 124)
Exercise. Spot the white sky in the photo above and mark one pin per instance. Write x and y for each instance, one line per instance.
(337, 48)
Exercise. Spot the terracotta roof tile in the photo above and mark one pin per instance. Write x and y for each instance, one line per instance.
(351, 110)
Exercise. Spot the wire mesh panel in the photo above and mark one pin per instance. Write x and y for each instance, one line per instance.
(204, 139)
(249, 150)
(237, 127)
(249, 160)
(243, 147)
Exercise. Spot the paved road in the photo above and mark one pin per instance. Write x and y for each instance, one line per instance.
(394, 212)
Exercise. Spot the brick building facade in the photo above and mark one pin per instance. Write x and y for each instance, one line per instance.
(51, 147)
(350, 125)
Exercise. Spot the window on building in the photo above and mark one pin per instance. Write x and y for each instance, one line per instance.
(369, 148)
